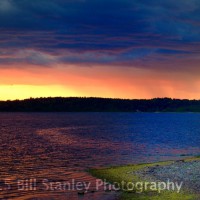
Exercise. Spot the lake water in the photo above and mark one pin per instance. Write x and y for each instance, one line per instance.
(60, 147)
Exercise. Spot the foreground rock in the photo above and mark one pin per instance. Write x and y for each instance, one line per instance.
(180, 171)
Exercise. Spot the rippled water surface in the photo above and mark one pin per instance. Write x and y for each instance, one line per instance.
(62, 146)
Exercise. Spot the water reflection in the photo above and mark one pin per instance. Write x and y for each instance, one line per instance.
(62, 146)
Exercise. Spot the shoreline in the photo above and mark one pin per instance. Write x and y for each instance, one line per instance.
(182, 169)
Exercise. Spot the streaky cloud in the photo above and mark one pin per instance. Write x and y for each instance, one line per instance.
(133, 33)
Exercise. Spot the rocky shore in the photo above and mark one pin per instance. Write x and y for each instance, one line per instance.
(179, 171)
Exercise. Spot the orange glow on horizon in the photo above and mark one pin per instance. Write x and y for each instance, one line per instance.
(13, 92)
(96, 81)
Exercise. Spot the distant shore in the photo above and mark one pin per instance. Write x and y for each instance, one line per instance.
(92, 104)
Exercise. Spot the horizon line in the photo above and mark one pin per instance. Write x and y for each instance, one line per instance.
(89, 97)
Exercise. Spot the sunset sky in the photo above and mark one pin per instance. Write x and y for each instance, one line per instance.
(103, 48)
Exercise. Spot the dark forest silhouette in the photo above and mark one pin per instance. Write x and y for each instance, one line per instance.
(82, 104)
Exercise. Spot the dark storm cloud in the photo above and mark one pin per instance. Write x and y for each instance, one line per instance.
(112, 32)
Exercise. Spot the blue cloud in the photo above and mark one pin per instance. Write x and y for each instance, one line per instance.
(121, 31)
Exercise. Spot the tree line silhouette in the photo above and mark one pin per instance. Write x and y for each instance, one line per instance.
(92, 104)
